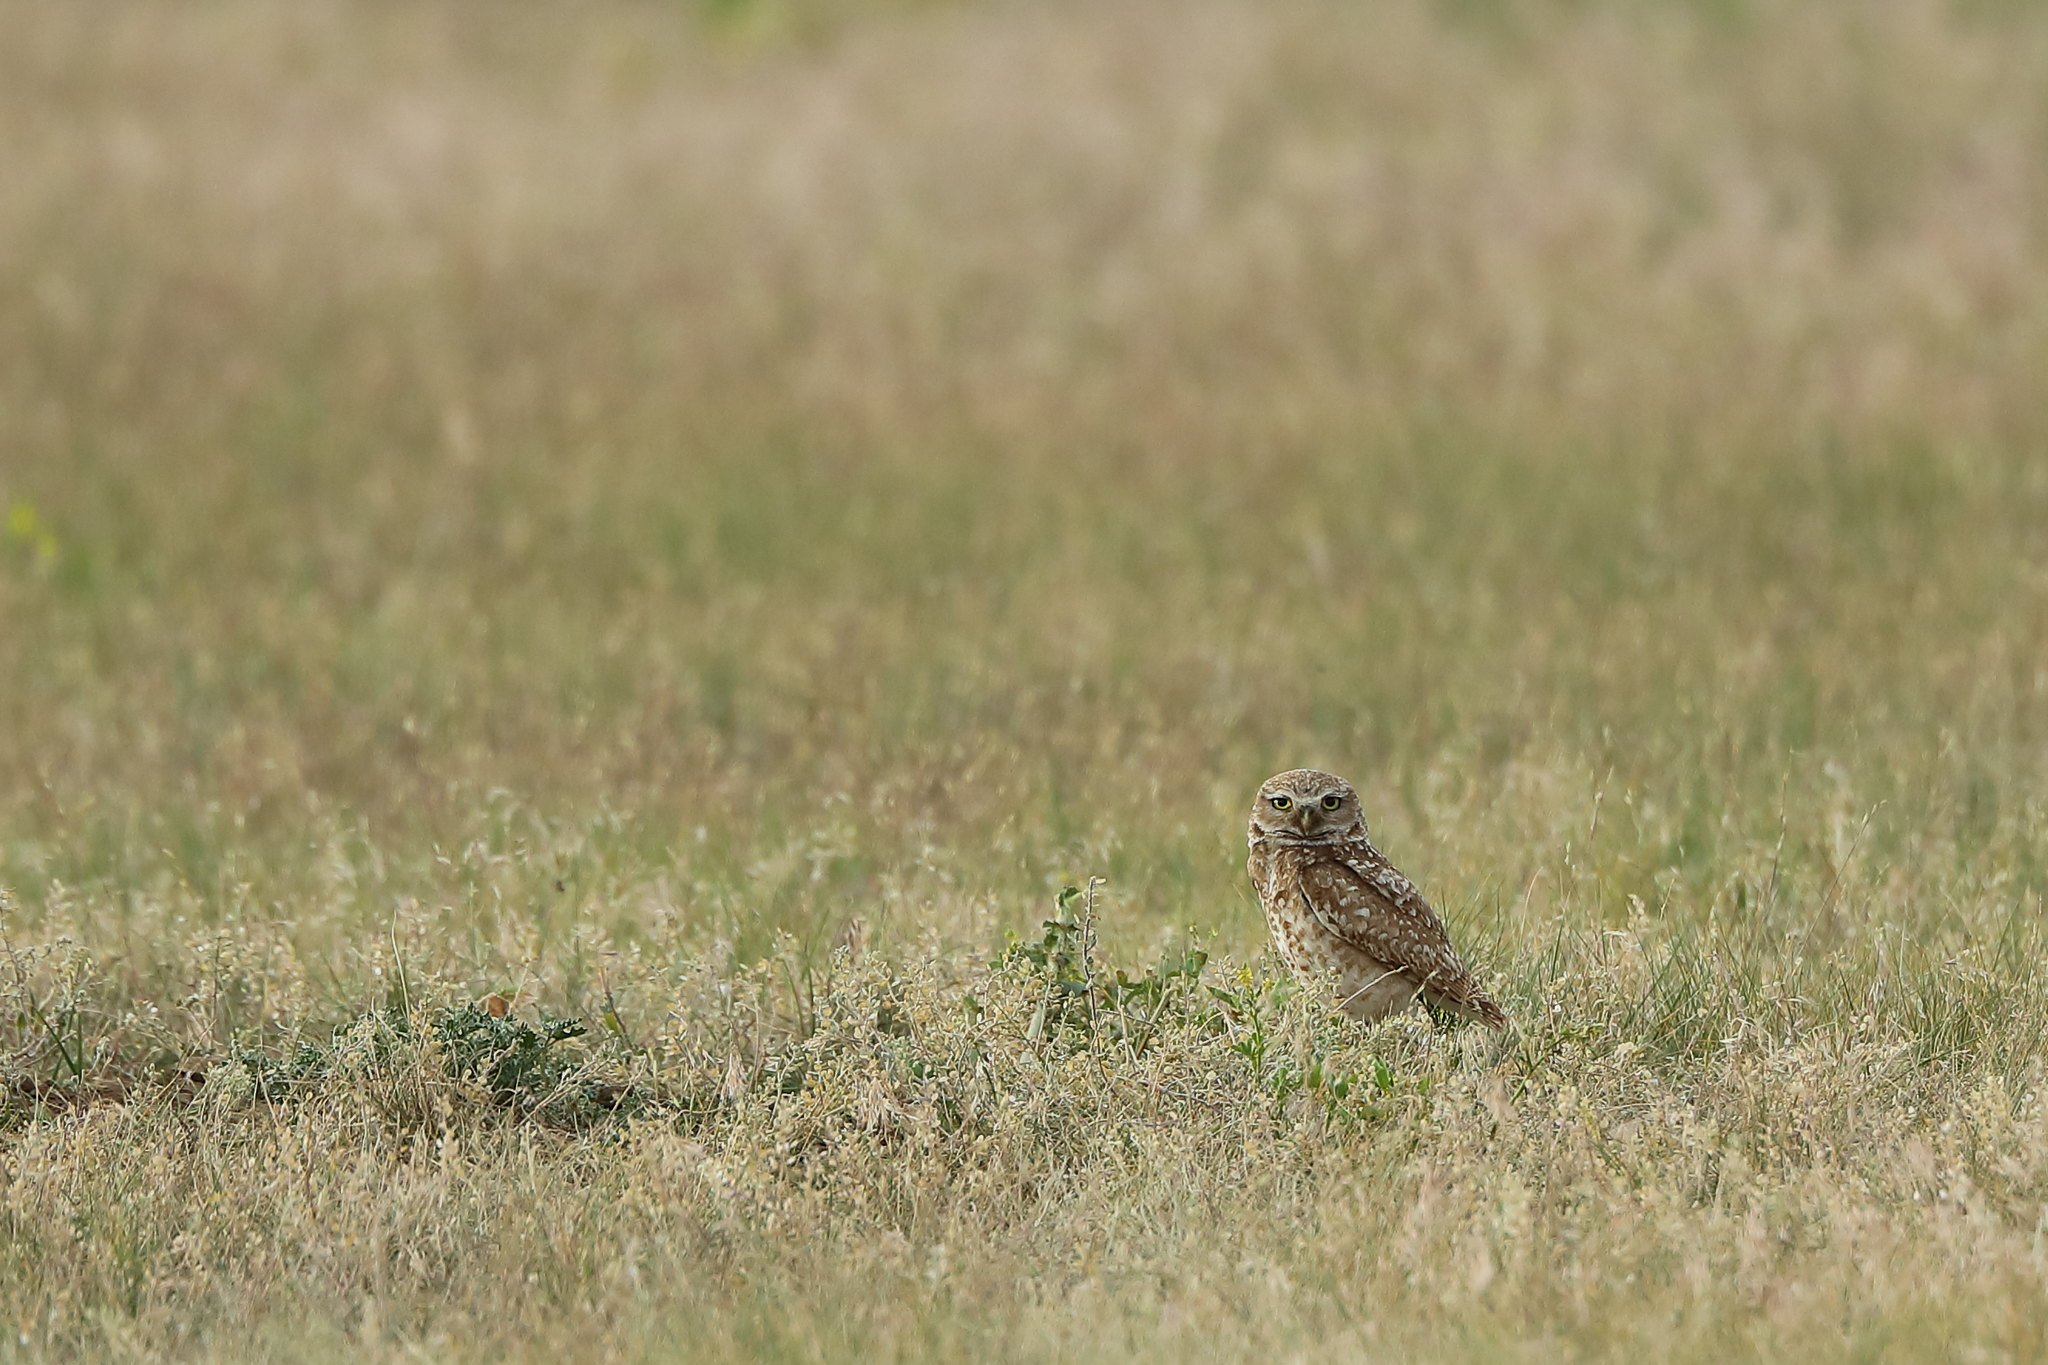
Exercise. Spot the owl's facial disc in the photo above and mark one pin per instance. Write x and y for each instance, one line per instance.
(1303, 805)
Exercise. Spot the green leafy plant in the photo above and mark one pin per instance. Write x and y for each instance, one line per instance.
(1091, 1005)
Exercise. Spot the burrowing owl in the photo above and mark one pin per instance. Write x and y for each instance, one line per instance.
(1339, 911)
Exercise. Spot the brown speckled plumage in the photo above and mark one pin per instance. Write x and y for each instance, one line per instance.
(1341, 914)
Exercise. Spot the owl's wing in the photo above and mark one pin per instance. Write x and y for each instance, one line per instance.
(1365, 901)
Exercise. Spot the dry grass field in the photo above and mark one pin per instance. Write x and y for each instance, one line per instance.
(577, 580)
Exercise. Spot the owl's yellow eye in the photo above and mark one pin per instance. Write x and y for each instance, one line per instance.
(1281, 802)
(1332, 801)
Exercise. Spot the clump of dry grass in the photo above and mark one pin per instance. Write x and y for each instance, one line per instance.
(700, 524)
(1044, 1154)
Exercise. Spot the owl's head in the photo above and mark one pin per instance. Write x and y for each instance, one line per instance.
(1304, 806)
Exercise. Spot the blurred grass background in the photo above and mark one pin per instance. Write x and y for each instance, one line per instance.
(783, 462)
(523, 489)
